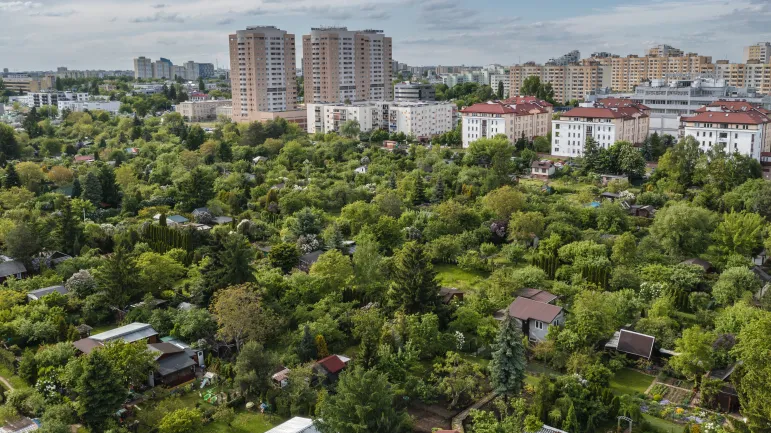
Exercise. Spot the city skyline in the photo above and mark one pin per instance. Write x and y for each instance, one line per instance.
(108, 35)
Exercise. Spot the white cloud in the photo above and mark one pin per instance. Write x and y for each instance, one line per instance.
(18, 5)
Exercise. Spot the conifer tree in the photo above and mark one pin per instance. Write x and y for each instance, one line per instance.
(11, 177)
(306, 349)
(507, 368)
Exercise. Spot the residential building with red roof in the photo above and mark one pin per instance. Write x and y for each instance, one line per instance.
(606, 121)
(736, 126)
(515, 117)
(535, 317)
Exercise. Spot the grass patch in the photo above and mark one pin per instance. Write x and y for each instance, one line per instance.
(15, 380)
(453, 276)
(534, 369)
(628, 381)
(661, 425)
(245, 422)
(98, 329)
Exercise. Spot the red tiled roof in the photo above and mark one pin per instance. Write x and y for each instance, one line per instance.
(743, 118)
(605, 113)
(332, 363)
(526, 309)
(734, 106)
(527, 100)
(488, 108)
(621, 102)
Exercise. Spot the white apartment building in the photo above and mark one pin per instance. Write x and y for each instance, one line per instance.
(143, 68)
(517, 117)
(77, 106)
(606, 121)
(420, 119)
(191, 70)
(737, 126)
(202, 110)
(670, 100)
(39, 99)
(504, 78)
(163, 68)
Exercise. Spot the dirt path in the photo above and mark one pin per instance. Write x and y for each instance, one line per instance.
(6, 383)
(457, 422)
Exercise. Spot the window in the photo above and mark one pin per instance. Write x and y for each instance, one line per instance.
(539, 324)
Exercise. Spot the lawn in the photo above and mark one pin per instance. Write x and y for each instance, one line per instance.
(629, 381)
(15, 380)
(663, 426)
(98, 329)
(453, 276)
(534, 369)
(245, 422)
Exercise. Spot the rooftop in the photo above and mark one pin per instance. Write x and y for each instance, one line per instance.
(295, 425)
(526, 309)
(129, 333)
(39, 293)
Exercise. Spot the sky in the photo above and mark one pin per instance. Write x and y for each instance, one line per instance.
(108, 34)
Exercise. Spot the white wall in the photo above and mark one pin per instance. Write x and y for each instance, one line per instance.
(747, 142)
(568, 137)
(473, 128)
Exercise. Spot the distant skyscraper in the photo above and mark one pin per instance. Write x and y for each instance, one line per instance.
(163, 68)
(143, 68)
(342, 65)
(205, 70)
(571, 57)
(262, 65)
(760, 52)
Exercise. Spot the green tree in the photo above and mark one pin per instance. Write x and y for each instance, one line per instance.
(284, 256)
(630, 160)
(196, 188)
(201, 85)
(334, 270)
(364, 402)
(739, 233)
(117, 276)
(92, 189)
(158, 272)
(133, 362)
(234, 260)
(733, 283)
(753, 375)
(181, 421)
(695, 353)
(306, 348)
(9, 146)
(77, 190)
(683, 230)
(414, 287)
(459, 378)
(100, 389)
(532, 86)
(350, 128)
(253, 369)
(419, 190)
(500, 90)
(507, 368)
(11, 177)
(22, 243)
(68, 230)
(504, 201)
(242, 315)
(624, 249)
(30, 123)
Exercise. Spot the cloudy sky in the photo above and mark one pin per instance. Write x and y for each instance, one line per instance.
(107, 34)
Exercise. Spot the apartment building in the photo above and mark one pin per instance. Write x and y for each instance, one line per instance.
(664, 51)
(345, 65)
(566, 59)
(628, 72)
(200, 111)
(760, 52)
(191, 70)
(143, 68)
(408, 91)
(419, 119)
(90, 105)
(24, 83)
(569, 82)
(163, 68)
(755, 75)
(39, 99)
(669, 100)
(496, 79)
(262, 64)
(606, 121)
(516, 117)
(737, 126)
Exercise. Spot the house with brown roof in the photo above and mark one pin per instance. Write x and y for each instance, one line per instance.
(605, 121)
(535, 317)
(543, 169)
(515, 118)
(734, 126)
(537, 295)
(176, 363)
(448, 294)
(331, 367)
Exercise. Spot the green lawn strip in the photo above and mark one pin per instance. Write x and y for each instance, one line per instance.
(453, 276)
(629, 381)
(98, 329)
(663, 426)
(15, 380)
(245, 422)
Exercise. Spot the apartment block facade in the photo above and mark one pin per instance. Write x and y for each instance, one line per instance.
(344, 65)
(606, 121)
(262, 65)
(516, 117)
(198, 111)
(755, 75)
(736, 126)
(760, 52)
(420, 119)
(143, 68)
(569, 82)
(628, 72)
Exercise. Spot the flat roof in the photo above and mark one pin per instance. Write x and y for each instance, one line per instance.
(295, 425)
(131, 332)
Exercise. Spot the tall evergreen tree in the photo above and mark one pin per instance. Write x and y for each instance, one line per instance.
(30, 124)
(67, 229)
(306, 349)
(110, 192)
(201, 85)
(11, 177)
(500, 90)
(100, 389)
(118, 277)
(414, 288)
(92, 189)
(507, 368)
(419, 194)
(77, 190)
(9, 146)
(439, 191)
(571, 420)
